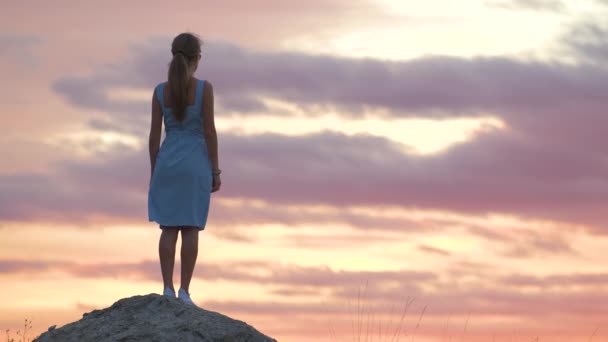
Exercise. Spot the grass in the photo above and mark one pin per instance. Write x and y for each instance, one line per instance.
(392, 331)
(363, 329)
(23, 335)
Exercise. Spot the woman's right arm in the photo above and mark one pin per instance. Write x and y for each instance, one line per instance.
(155, 132)
(209, 125)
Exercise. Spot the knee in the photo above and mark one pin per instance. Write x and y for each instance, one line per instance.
(168, 240)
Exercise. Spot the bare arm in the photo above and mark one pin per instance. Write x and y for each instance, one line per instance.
(155, 132)
(209, 125)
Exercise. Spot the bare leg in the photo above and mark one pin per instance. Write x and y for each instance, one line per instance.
(189, 253)
(166, 252)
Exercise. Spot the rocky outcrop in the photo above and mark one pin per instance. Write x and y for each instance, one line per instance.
(154, 317)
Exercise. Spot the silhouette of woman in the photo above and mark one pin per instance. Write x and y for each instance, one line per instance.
(184, 169)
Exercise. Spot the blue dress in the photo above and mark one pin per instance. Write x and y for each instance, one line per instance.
(180, 186)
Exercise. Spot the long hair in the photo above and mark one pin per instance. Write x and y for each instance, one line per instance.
(185, 48)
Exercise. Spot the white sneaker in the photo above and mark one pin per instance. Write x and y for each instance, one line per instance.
(185, 297)
(169, 292)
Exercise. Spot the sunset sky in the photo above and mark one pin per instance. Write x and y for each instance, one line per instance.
(449, 153)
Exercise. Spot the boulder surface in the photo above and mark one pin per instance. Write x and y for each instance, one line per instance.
(151, 318)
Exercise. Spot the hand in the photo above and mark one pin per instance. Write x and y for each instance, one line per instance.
(216, 183)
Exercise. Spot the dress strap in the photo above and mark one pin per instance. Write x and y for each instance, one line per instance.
(160, 96)
(199, 93)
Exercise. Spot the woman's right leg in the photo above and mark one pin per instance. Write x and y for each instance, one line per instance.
(166, 252)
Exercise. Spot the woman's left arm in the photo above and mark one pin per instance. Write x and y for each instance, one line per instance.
(155, 132)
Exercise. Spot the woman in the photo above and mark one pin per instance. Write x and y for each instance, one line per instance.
(185, 169)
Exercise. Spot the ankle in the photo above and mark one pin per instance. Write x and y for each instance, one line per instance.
(169, 292)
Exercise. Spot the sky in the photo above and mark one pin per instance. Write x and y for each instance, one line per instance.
(435, 170)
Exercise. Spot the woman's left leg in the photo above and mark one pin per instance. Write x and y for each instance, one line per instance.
(188, 254)
(166, 252)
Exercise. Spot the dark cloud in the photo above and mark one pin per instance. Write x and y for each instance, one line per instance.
(550, 161)
(17, 265)
(334, 292)
(534, 5)
(335, 241)
(289, 292)
(558, 280)
(114, 186)
(554, 137)
(523, 243)
(498, 172)
(19, 49)
(487, 295)
(250, 271)
(588, 41)
(434, 250)
(433, 86)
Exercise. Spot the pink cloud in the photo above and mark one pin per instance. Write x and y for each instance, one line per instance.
(548, 163)
(437, 86)
(496, 173)
(490, 294)
(434, 250)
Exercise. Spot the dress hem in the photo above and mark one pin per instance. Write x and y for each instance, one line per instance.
(172, 226)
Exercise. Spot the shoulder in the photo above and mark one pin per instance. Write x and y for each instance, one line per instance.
(159, 86)
(204, 82)
(156, 94)
(207, 87)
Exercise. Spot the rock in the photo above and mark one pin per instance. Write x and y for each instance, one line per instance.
(151, 318)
